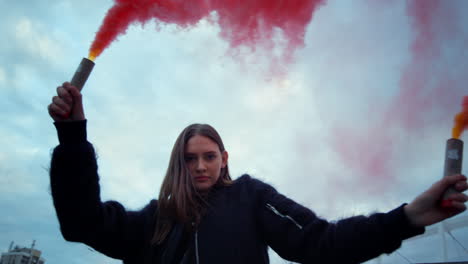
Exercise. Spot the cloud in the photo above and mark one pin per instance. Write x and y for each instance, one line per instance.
(35, 42)
(3, 77)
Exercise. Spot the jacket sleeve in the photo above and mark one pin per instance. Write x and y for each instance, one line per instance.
(107, 227)
(297, 234)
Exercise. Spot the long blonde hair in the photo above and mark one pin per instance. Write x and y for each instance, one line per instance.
(179, 202)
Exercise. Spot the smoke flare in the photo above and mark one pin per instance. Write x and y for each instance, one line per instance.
(242, 22)
(461, 120)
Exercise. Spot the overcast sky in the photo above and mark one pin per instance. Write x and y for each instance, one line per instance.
(357, 123)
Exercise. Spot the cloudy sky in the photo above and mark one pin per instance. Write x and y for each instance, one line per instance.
(355, 123)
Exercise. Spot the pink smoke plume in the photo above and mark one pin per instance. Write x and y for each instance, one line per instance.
(427, 96)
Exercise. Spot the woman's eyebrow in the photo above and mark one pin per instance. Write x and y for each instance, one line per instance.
(194, 154)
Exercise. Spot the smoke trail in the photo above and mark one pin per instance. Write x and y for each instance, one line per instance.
(413, 99)
(244, 22)
(428, 89)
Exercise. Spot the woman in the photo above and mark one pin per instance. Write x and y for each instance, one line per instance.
(202, 216)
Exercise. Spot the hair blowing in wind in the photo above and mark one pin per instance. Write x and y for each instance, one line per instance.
(243, 22)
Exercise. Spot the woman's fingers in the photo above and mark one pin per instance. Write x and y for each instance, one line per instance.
(458, 197)
(60, 105)
(64, 95)
(52, 111)
(461, 186)
(73, 92)
(56, 110)
(450, 180)
(67, 105)
(455, 203)
(446, 182)
(458, 206)
(56, 113)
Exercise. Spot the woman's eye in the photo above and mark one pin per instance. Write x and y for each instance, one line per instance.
(211, 156)
(188, 159)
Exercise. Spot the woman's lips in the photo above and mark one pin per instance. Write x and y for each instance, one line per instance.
(202, 178)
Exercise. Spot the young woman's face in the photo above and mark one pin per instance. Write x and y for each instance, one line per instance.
(205, 161)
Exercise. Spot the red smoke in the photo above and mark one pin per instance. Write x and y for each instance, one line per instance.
(242, 22)
(430, 84)
(430, 89)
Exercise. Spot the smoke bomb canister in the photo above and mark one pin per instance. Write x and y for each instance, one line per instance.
(453, 161)
(82, 73)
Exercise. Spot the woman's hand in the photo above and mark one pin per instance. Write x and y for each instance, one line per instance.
(67, 105)
(426, 209)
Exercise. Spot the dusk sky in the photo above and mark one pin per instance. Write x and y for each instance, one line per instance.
(354, 122)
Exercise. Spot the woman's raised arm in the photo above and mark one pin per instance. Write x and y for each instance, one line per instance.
(107, 227)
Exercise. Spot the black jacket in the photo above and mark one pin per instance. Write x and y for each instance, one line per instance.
(243, 220)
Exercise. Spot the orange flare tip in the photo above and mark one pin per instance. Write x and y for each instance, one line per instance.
(93, 54)
(461, 120)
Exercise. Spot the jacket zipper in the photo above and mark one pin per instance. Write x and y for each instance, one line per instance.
(196, 243)
(196, 246)
(273, 209)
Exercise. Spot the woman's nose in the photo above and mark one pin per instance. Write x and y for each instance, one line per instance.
(201, 166)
